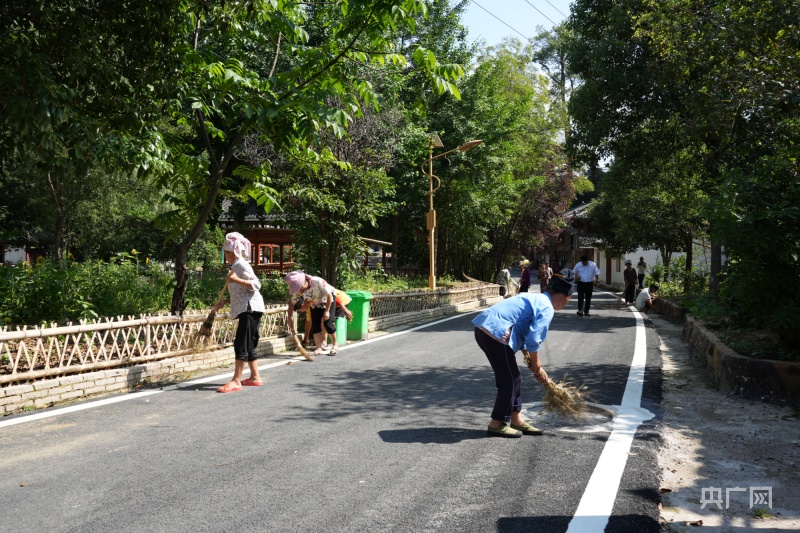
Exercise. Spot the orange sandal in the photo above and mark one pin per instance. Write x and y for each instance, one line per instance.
(230, 387)
(250, 383)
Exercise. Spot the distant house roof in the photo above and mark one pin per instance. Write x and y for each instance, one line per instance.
(254, 215)
(582, 211)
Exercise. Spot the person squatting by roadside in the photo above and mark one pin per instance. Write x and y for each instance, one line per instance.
(629, 274)
(587, 275)
(247, 306)
(321, 297)
(644, 302)
(518, 323)
(505, 281)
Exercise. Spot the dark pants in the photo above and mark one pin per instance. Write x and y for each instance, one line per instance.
(523, 288)
(641, 279)
(330, 325)
(502, 291)
(585, 293)
(246, 339)
(630, 291)
(506, 376)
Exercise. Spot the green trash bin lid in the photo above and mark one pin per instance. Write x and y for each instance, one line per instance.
(360, 295)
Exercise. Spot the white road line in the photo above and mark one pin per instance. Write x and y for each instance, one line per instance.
(598, 499)
(136, 395)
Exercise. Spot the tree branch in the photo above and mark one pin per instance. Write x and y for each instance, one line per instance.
(215, 166)
(277, 51)
(335, 59)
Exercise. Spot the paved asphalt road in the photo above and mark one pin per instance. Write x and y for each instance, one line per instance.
(386, 436)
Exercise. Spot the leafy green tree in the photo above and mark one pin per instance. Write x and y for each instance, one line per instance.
(503, 199)
(78, 87)
(229, 87)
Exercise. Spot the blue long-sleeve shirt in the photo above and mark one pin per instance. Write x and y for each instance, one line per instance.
(528, 314)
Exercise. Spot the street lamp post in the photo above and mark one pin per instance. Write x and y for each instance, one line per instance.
(436, 142)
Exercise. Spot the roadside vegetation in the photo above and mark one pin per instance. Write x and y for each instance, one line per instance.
(319, 114)
(694, 105)
(48, 292)
(735, 327)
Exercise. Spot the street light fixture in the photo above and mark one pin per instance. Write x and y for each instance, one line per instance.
(435, 142)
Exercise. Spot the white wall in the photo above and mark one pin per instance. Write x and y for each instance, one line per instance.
(14, 255)
(651, 257)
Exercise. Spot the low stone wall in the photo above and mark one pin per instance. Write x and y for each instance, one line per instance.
(48, 392)
(732, 373)
(401, 319)
(671, 311)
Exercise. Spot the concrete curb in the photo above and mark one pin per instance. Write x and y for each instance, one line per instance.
(758, 379)
(767, 380)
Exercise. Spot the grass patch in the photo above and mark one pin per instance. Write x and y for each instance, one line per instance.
(763, 514)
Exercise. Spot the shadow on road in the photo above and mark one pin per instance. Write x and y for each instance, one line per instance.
(523, 524)
(431, 435)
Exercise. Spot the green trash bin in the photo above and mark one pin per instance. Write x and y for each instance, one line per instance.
(358, 329)
(341, 330)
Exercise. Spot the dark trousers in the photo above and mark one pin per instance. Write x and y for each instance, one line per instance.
(317, 322)
(630, 291)
(506, 376)
(641, 279)
(585, 293)
(246, 339)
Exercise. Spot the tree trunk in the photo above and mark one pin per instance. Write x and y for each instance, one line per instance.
(395, 246)
(687, 280)
(181, 278)
(334, 269)
(666, 257)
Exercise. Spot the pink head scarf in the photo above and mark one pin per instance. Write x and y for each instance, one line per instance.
(238, 244)
(295, 281)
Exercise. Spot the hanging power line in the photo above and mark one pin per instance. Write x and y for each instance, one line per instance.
(554, 7)
(501, 20)
(540, 11)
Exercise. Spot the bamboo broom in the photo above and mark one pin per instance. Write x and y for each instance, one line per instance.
(208, 324)
(562, 397)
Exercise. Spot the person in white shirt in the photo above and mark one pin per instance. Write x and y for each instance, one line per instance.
(645, 299)
(641, 270)
(586, 275)
(247, 306)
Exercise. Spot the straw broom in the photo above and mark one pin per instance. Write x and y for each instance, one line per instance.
(208, 324)
(299, 345)
(563, 397)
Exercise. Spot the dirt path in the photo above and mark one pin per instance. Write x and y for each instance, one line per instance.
(716, 441)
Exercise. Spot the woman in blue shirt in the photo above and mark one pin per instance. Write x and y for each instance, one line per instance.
(518, 323)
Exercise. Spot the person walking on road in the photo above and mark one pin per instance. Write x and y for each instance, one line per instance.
(518, 323)
(641, 269)
(504, 279)
(247, 306)
(525, 276)
(544, 277)
(587, 275)
(629, 275)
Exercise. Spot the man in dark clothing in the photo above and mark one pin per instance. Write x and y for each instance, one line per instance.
(630, 282)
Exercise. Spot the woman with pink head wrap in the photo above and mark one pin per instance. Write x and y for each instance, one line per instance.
(247, 306)
(313, 291)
